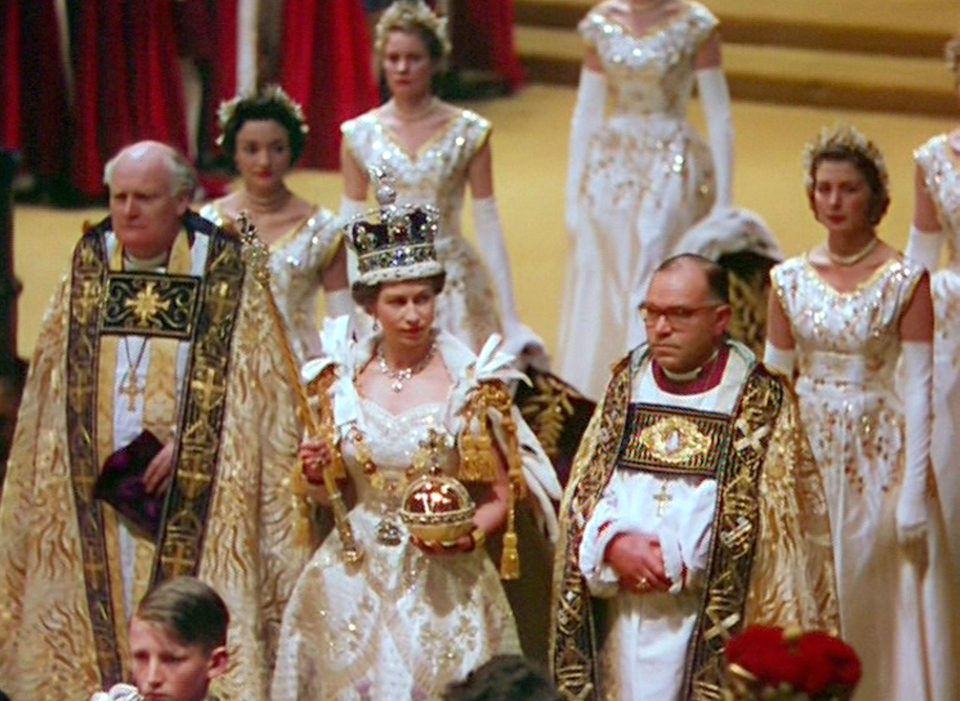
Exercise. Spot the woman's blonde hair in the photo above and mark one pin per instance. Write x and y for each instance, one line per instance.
(414, 17)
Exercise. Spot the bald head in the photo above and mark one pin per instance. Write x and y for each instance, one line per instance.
(183, 178)
(150, 190)
(713, 274)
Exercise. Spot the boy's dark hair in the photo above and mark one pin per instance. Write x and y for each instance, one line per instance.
(190, 610)
(504, 678)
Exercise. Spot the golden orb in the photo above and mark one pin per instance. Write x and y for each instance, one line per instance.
(437, 508)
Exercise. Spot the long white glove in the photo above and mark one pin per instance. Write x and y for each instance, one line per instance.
(587, 116)
(486, 221)
(778, 359)
(912, 506)
(923, 247)
(715, 98)
(340, 303)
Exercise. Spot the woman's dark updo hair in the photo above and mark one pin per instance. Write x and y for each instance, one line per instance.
(366, 295)
(270, 103)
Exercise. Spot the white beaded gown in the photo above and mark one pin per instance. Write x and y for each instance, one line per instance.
(437, 174)
(648, 177)
(402, 624)
(941, 170)
(297, 262)
(893, 613)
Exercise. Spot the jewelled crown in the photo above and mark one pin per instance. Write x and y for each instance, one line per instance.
(395, 242)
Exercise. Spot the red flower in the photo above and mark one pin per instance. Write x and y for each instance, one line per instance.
(815, 663)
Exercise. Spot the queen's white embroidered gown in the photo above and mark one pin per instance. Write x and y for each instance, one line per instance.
(941, 169)
(648, 177)
(437, 174)
(401, 624)
(297, 262)
(892, 612)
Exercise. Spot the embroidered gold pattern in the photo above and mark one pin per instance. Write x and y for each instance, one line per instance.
(675, 440)
(89, 270)
(151, 304)
(574, 659)
(181, 539)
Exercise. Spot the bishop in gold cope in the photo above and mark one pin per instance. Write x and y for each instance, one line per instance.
(694, 453)
(156, 438)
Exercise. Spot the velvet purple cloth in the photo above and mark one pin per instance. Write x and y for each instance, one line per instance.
(120, 484)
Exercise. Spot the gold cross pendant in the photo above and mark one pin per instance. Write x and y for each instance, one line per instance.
(131, 389)
(663, 499)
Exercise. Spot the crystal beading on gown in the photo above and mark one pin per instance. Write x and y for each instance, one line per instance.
(939, 164)
(297, 262)
(647, 178)
(437, 174)
(401, 624)
(847, 348)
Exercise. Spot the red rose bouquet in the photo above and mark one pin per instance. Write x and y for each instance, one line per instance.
(775, 665)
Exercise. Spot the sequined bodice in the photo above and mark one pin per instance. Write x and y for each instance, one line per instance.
(394, 440)
(941, 169)
(297, 262)
(436, 174)
(653, 72)
(851, 337)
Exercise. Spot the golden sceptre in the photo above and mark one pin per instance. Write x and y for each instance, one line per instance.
(257, 256)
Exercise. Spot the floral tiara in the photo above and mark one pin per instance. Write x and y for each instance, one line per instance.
(952, 54)
(417, 13)
(227, 111)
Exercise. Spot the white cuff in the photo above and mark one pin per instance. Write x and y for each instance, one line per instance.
(779, 359)
(715, 97)
(923, 247)
(601, 528)
(912, 506)
(119, 692)
(587, 116)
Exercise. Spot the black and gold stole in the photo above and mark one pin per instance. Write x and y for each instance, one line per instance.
(728, 448)
(202, 311)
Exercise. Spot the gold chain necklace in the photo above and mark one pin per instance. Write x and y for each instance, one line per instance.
(854, 258)
(405, 374)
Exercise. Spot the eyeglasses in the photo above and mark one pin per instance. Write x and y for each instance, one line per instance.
(675, 316)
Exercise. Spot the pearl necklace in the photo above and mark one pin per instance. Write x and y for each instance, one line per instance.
(404, 374)
(853, 258)
(417, 114)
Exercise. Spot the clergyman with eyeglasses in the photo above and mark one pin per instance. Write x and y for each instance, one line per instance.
(694, 508)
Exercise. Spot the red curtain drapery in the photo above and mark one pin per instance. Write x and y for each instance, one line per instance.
(326, 68)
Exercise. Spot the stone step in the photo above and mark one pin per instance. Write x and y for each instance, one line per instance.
(779, 73)
(896, 27)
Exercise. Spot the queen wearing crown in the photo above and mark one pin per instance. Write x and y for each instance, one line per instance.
(402, 598)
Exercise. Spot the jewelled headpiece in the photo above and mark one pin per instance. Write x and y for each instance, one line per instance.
(227, 112)
(405, 14)
(395, 242)
(952, 54)
(847, 139)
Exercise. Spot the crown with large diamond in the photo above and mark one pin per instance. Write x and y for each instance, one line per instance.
(396, 241)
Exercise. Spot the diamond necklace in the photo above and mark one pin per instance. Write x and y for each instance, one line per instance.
(853, 258)
(403, 375)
